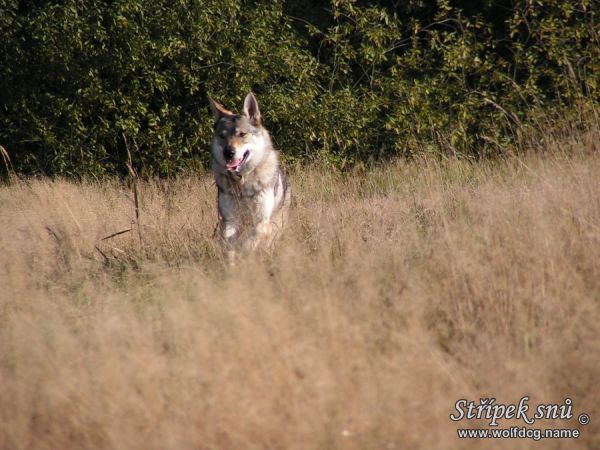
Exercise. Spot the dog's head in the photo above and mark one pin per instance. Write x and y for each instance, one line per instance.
(240, 141)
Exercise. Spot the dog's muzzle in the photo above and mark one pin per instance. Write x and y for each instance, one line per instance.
(234, 165)
(228, 153)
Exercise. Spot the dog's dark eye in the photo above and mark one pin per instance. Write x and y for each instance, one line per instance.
(223, 135)
(242, 134)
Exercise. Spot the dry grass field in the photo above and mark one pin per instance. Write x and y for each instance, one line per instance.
(394, 293)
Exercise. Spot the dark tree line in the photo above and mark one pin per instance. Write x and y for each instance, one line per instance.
(88, 84)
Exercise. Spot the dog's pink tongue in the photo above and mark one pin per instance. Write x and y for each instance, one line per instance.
(233, 164)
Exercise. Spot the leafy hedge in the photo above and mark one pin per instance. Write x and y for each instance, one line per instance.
(87, 84)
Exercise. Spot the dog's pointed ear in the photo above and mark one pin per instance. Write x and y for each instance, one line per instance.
(218, 110)
(251, 110)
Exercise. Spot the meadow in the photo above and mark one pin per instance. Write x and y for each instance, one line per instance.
(394, 292)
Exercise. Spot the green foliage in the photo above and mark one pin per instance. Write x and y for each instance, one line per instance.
(87, 85)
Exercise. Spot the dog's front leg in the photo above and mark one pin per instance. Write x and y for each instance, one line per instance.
(259, 237)
(263, 228)
(229, 234)
(229, 225)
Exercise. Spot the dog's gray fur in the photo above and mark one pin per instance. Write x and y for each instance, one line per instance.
(253, 194)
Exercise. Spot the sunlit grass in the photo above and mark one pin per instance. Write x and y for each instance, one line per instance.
(393, 293)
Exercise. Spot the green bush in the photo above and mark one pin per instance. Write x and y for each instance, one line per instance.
(87, 85)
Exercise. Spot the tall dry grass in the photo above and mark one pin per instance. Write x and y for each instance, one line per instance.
(393, 293)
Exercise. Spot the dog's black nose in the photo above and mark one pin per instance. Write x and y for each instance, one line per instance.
(228, 153)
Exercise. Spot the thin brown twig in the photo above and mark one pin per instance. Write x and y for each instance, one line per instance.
(136, 200)
(116, 234)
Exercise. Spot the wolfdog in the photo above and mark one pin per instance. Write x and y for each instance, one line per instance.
(253, 195)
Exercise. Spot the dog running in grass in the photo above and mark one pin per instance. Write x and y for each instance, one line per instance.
(253, 193)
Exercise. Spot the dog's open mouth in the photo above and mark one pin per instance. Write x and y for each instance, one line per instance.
(236, 165)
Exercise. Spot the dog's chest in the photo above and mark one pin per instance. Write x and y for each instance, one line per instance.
(245, 202)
